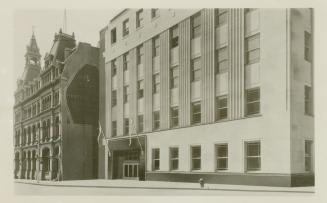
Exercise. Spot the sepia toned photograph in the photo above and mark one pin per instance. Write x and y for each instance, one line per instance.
(164, 101)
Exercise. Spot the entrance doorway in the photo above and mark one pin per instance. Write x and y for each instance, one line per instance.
(131, 170)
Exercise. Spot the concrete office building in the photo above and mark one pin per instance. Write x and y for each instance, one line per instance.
(220, 94)
(56, 112)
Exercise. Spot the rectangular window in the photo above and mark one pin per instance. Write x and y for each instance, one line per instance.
(155, 46)
(196, 25)
(221, 17)
(126, 61)
(154, 13)
(113, 68)
(55, 100)
(196, 112)
(196, 157)
(221, 107)
(174, 116)
(113, 36)
(307, 46)
(114, 129)
(155, 159)
(222, 60)
(308, 155)
(156, 83)
(173, 156)
(114, 98)
(195, 69)
(174, 36)
(126, 94)
(253, 156)
(252, 49)
(222, 156)
(174, 75)
(156, 120)
(252, 101)
(125, 27)
(139, 18)
(140, 54)
(126, 126)
(140, 123)
(140, 89)
(307, 100)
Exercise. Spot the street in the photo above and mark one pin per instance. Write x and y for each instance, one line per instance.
(30, 189)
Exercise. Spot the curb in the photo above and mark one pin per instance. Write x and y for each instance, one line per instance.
(156, 187)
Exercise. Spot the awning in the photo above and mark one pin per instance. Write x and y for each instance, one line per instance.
(123, 143)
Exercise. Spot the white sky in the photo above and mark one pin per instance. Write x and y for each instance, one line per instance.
(85, 24)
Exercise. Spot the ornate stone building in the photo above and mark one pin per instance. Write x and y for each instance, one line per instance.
(56, 112)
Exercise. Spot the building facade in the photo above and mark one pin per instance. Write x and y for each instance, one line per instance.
(56, 112)
(220, 94)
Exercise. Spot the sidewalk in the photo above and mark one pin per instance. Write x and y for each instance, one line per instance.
(102, 183)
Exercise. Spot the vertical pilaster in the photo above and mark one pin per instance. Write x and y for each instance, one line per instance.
(133, 89)
(207, 66)
(236, 53)
(184, 72)
(164, 80)
(120, 96)
(108, 99)
(148, 95)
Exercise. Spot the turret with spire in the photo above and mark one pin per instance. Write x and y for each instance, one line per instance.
(32, 55)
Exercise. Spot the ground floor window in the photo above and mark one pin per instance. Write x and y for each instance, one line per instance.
(222, 156)
(196, 157)
(253, 156)
(308, 155)
(173, 155)
(155, 159)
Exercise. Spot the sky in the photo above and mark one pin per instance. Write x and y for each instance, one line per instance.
(85, 24)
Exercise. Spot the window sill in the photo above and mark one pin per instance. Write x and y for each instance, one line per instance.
(154, 18)
(253, 115)
(139, 27)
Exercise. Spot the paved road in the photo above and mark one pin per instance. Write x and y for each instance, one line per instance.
(28, 189)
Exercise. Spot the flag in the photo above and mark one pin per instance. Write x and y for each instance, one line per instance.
(100, 133)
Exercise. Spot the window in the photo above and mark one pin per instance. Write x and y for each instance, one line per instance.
(308, 155)
(174, 75)
(113, 98)
(55, 100)
(156, 83)
(155, 159)
(140, 123)
(253, 156)
(46, 102)
(126, 61)
(125, 27)
(173, 156)
(220, 17)
(140, 55)
(139, 18)
(126, 126)
(196, 25)
(126, 94)
(156, 120)
(196, 69)
(174, 36)
(196, 112)
(114, 129)
(252, 101)
(113, 36)
(174, 116)
(221, 107)
(196, 157)
(155, 46)
(307, 100)
(154, 13)
(222, 156)
(222, 60)
(252, 49)
(113, 68)
(307, 46)
(140, 89)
